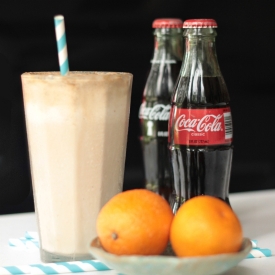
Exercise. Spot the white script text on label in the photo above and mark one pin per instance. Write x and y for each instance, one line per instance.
(207, 123)
(157, 112)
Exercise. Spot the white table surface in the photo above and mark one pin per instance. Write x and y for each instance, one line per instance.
(255, 209)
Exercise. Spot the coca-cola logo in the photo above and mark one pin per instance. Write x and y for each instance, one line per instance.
(208, 123)
(158, 112)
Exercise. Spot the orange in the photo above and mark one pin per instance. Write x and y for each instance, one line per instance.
(135, 222)
(205, 225)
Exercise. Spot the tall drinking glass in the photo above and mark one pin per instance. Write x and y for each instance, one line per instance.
(77, 129)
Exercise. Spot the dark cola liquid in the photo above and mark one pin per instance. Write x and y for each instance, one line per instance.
(200, 170)
(157, 167)
(154, 127)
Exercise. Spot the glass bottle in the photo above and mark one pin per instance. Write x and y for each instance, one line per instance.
(200, 125)
(156, 104)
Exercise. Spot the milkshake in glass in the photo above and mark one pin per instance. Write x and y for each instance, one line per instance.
(77, 129)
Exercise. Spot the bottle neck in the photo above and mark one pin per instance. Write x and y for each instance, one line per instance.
(168, 45)
(200, 57)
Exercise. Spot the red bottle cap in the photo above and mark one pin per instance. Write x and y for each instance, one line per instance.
(167, 23)
(200, 23)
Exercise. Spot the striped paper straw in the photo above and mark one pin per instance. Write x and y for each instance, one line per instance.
(61, 44)
(254, 243)
(31, 240)
(259, 253)
(20, 269)
(24, 243)
(31, 235)
(55, 268)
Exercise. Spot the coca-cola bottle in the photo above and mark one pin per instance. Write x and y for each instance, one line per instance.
(200, 125)
(155, 108)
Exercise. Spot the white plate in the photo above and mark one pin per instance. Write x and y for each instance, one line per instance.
(164, 265)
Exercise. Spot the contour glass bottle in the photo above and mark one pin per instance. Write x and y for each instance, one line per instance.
(200, 126)
(156, 104)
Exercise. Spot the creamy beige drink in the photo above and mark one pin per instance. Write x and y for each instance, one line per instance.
(77, 133)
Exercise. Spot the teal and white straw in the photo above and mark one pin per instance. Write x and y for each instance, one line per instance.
(254, 243)
(61, 44)
(259, 253)
(32, 235)
(55, 268)
(24, 243)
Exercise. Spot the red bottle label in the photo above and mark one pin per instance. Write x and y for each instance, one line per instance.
(200, 127)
